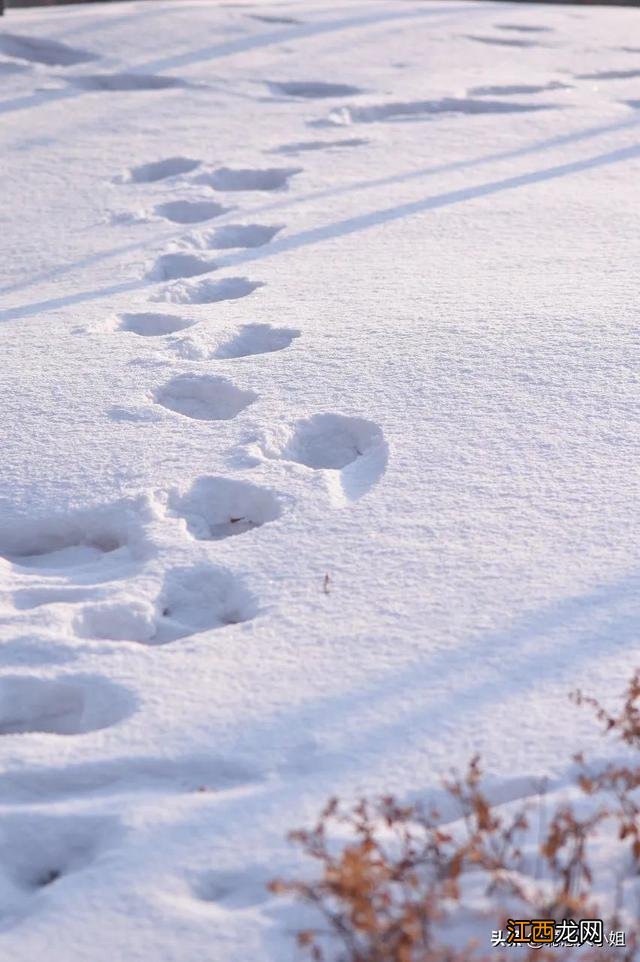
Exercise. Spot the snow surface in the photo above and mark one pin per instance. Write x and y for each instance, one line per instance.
(293, 290)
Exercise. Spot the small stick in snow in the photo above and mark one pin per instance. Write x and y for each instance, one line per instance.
(325, 584)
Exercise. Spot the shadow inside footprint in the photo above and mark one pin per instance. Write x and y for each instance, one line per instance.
(351, 450)
(72, 541)
(210, 291)
(39, 851)
(270, 178)
(235, 890)
(266, 18)
(424, 108)
(68, 705)
(311, 89)
(199, 599)
(144, 774)
(192, 600)
(523, 28)
(331, 441)
(609, 75)
(153, 325)
(190, 211)
(161, 170)
(508, 90)
(256, 339)
(205, 397)
(236, 235)
(169, 267)
(126, 82)
(304, 145)
(504, 41)
(36, 50)
(217, 508)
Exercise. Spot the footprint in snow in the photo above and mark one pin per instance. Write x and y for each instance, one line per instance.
(505, 41)
(36, 50)
(173, 266)
(129, 774)
(523, 28)
(106, 533)
(609, 75)
(251, 339)
(67, 705)
(508, 90)
(126, 82)
(242, 889)
(190, 211)
(153, 325)
(215, 508)
(331, 441)
(311, 89)
(269, 178)
(38, 852)
(268, 18)
(256, 339)
(305, 145)
(209, 291)
(351, 451)
(159, 170)
(344, 116)
(235, 236)
(204, 397)
(191, 601)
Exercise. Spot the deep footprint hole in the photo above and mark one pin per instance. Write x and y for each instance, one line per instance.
(237, 236)
(204, 397)
(64, 542)
(190, 211)
(209, 291)
(312, 89)
(217, 508)
(40, 851)
(68, 705)
(162, 169)
(194, 600)
(424, 108)
(270, 178)
(49, 52)
(331, 441)
(169, 267)
(126, 82)
(150, 324)
(257, 339)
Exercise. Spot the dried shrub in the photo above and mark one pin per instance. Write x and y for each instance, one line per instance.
(618, 782)
(393, 887)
